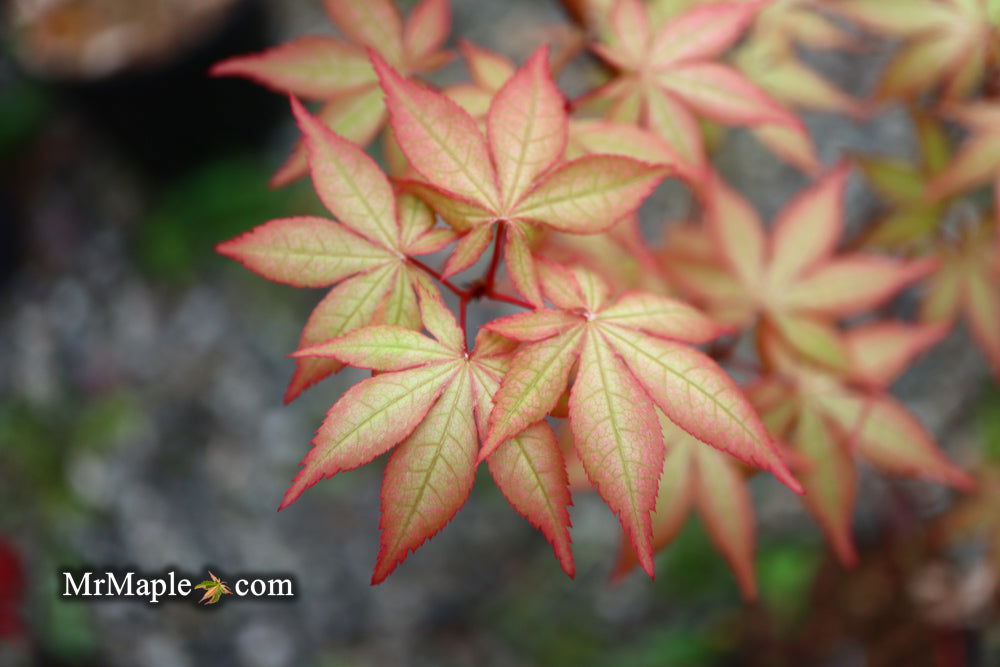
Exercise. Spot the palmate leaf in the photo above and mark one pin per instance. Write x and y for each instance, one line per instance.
(363, 253)
(695, 475)
(975, 516)
(914, 212)
(338, 72)
(827, 420)
(631, 361)
(215, 588)
(801, 288)
(947, 44)
(769, 57)
(977, 163)
(429, 405)
(965, 283)
(515, 173)
(668, 74)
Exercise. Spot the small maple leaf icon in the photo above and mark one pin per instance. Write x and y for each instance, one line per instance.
(214, 589)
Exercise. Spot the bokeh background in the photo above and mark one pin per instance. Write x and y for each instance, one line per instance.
(142, 426)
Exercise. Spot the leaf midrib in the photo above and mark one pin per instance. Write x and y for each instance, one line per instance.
(486, 199)
(427, 473)
(571, 338)
(710, 397)
(330, 449)
(560, 199)
(629, 482)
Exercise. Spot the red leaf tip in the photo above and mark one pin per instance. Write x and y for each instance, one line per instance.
(785, 477)
(224, 248)
(382, 68)
(302, 116)
(959, 480)
(227, 67)
(540, 55)
(288, 499)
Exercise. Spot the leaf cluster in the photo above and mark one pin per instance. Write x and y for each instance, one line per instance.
(619, 373)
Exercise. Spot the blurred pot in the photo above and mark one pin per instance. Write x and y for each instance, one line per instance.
(138, 69)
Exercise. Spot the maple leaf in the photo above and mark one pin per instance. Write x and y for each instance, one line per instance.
(338, 72)
(363, 253)
(827, 419)
(946, 44)
(698, 476)
(976, 515)
(769, 58)
(690, 263)
(620, 253)
(215, 588)
(668, 75)
(978, 160)
(913, 214)
(965, 282)
(490, 71)
(515, 175)
(631, 359)
(792, 279)
(427, 405)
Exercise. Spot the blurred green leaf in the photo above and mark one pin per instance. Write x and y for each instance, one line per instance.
(687, 646)
(220, 200)
(558, 636)
(894, 179)
(65, 628)
(107, 421)
(785, 575)
(989, 423)
(41, 439)
(692, 569)
(23, 109)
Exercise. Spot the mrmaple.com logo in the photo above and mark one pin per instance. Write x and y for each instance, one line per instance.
(170, 585)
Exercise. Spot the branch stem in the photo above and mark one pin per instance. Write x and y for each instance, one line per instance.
(436, 275)
(491, 273)
(497, 296)
(486, 287)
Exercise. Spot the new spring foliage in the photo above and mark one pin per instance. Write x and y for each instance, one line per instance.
(618, 361)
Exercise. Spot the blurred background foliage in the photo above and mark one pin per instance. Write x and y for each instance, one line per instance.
(209, 205)
(141, 422)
